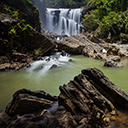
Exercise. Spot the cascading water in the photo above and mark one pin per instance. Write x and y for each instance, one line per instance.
(64, 21)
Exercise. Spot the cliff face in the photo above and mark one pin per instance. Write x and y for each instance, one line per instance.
(27, 11)
(20, 33)
(42, 10)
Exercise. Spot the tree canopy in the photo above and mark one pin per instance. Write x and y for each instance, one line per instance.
(108, 17)
(65, 3)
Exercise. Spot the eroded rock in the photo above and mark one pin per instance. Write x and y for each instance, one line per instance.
(25, 101)
(83, 102)
(91, 92)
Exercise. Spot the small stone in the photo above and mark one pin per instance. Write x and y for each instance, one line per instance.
(106, 119)
(53, 66)
(70, 60)
(113, 113)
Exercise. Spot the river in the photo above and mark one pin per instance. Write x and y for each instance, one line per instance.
(39, 77)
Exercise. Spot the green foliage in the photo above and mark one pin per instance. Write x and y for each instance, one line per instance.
(37, 51)
(109, 16)
(19, 28)
(124, 36)
(91, 21)
(65, 3)
(28, 28)
(13, 13)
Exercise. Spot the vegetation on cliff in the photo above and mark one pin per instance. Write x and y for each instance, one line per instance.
(65, 3)
(19, 26)
(22, 9)
(107, 18)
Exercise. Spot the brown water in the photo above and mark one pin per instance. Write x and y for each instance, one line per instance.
(50, 80)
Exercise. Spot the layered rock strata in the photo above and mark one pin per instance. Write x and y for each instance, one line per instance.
(87, 101)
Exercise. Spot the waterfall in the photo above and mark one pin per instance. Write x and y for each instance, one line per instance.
(63, 21)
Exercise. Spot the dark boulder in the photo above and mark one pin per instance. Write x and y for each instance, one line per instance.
(32, 121)
(112, 64)
(53, 66)
(25, 101)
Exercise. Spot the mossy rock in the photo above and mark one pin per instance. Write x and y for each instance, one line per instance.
(124, 36)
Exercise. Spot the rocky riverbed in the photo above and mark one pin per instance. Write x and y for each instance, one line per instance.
(90, 100)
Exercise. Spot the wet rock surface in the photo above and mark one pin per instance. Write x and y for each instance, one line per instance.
(90, 100)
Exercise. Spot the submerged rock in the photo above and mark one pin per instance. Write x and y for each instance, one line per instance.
(53, 66)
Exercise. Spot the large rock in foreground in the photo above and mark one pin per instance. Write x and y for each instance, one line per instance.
(86, 102)
(91, 91)
(25, 101)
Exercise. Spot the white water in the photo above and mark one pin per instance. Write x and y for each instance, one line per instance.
(64, 21)
(43, 66)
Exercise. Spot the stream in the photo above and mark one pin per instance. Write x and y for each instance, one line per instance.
(39, 77)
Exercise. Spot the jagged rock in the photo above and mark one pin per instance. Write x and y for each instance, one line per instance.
(4, 119)
(19, 57)
(100, 56)
(91, 92)
(83, 102)
(53, 66)
(93, 38)
(52, 36)
(79, 44)
(71, 45)
(25, 101)
(111, 63)
(107, 88)
(114, 58)
(118, 50)
(113, 50)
